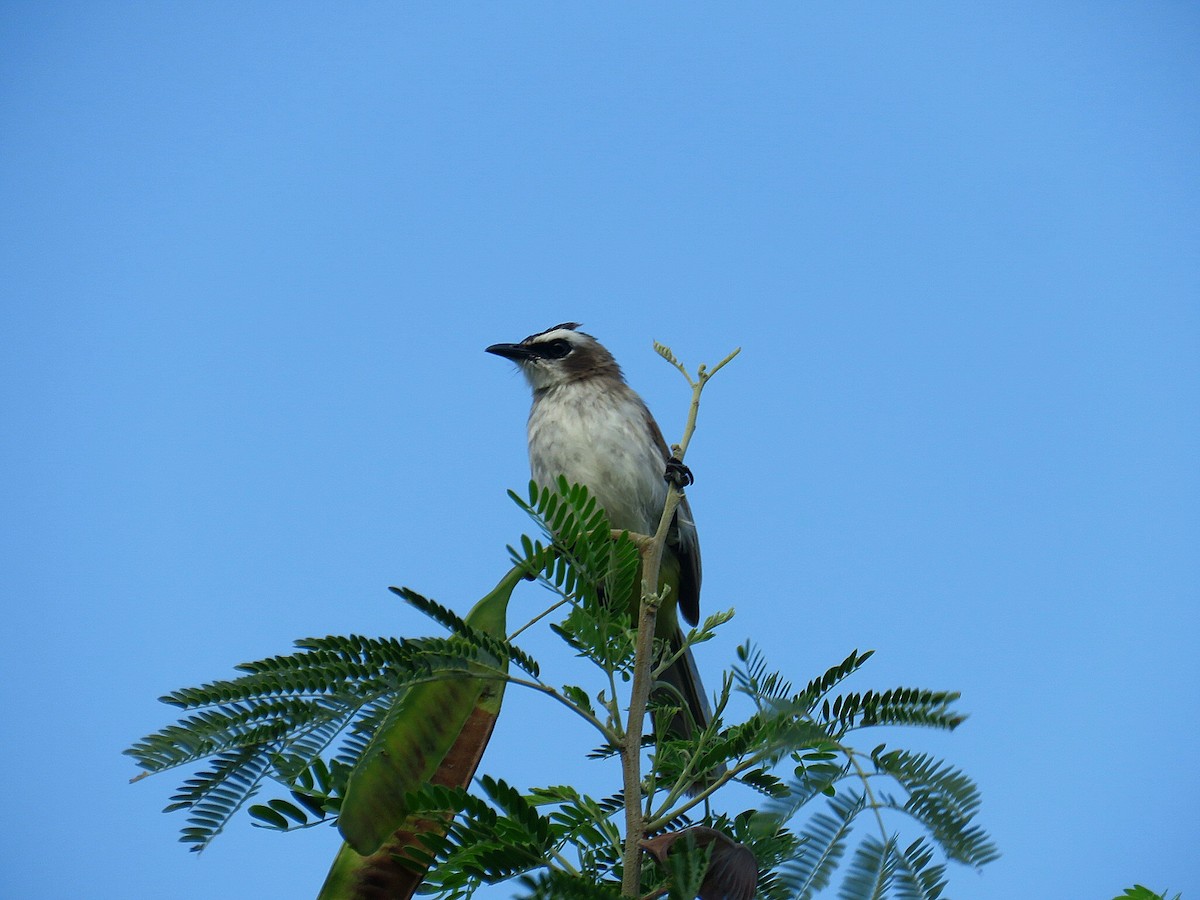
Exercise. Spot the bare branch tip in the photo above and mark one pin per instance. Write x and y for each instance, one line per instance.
(721, 364)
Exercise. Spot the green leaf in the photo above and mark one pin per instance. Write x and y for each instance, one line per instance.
(1141, 892)
(579, 697)
(290, 810)
(414, 739)
(914, 878)
(870, 871)
(687, 864)
(823, 842)
(215, 795)
(269, 817)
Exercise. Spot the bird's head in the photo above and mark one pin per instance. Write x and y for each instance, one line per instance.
(559, 355)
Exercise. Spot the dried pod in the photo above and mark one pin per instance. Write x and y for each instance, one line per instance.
(732, 869)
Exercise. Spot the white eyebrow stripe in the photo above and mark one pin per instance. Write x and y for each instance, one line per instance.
(556, 334)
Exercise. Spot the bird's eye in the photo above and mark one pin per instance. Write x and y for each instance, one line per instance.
(557, 349)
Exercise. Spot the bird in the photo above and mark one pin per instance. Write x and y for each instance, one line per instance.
(732, 872)
(587, 425)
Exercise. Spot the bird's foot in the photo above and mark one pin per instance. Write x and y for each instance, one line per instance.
(678, 474)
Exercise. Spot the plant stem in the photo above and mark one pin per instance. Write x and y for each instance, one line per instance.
(607, 733)
(538, 617)
(651, 553)
(631, 753)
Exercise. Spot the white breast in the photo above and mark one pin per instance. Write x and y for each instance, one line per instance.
(600, 438)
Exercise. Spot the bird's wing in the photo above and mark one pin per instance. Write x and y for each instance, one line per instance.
(684, 677)
(683, 540)
(686, 544)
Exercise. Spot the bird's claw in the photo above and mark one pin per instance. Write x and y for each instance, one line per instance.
(678, 474)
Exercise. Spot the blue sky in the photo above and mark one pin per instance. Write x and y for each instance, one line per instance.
(252, 254)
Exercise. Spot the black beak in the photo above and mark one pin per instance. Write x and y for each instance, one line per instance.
(516, 352)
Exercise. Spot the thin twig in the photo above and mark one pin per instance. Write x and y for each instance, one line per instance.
(631, 752)
(551, 608)
(608, 734)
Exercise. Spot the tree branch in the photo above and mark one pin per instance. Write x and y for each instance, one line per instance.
(631, 751)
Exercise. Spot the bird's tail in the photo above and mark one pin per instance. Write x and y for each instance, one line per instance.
(682, 682)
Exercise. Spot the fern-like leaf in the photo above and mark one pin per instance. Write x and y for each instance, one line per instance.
(944, 800)
(212, 797)
(914, 878)
(869, 874)
(822, 843)
(559, 885)
(497, 648)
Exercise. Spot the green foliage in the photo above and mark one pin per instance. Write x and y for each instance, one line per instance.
(686, 867)
(274, 722)
(809, 731)
(505, 834)
(831, 815)
(586, 563)
(473, 638)
(488, 842)
(1141, 892)
(870, 871)
(555, 884)
(818, 848)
